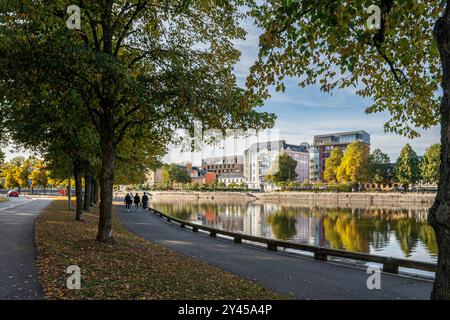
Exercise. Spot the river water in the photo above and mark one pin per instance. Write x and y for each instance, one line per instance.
(395, 232)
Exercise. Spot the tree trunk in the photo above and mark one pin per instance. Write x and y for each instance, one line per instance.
(69, 195)
(92, 195)
(87, 192)
(106, 177)
(439, 214)
(78, 193)
(96, 192)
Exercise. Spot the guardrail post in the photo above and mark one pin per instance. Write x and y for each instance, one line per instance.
(194, 229)
(389, 266)
(272, 246)
(182, 225)
(237, 240)
(320, 256)
(212, 234)
(168, 219)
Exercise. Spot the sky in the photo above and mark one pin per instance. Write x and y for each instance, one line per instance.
(303, 113)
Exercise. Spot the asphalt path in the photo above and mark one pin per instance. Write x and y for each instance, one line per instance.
(18, 274)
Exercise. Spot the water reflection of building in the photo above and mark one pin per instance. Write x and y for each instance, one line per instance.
(320, 239)
(236, 218)
(231, 218)
(305, 226)
(210, 217)
(254, 220)
(234, 224)
(310, 229)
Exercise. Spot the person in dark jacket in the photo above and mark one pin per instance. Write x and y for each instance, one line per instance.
(128, 201)
(137, 201)
(144, 201)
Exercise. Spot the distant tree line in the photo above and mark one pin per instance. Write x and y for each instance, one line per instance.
(356, 165)
(30, 173)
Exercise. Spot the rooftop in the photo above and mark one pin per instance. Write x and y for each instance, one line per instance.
(342, 138)
(338, 134)
(279, 145)
(236, 159)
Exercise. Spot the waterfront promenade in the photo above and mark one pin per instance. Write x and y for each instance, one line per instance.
(300, 277)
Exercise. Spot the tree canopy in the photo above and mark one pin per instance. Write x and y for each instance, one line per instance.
(407, 167)
(332, 164)
(379, 168)
(283, 169)
(167, 64)
(429, 166)
(328, 43)
(174, 174)
(21, 172)
(353, 167)
(39, 175)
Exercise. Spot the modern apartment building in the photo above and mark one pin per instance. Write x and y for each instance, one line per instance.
(259, 160)
(323, 145)
(224, 165)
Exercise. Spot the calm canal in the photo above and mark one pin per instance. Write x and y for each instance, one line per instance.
(402, 233)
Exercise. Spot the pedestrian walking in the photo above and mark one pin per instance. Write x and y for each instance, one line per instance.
(128, 201)
(137, 201)
(144, 201)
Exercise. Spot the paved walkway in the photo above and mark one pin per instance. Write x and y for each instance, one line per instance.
(18, 275)
(302, 277)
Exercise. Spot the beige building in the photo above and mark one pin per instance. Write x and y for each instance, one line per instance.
(231, 178)
(154, 177)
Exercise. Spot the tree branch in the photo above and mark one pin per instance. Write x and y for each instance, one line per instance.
(379, 38)
(139, 7)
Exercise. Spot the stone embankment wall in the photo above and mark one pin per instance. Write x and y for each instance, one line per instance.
(322, 199)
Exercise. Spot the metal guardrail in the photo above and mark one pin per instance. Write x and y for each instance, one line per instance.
(390, 264)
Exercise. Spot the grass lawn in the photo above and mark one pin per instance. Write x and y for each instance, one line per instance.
(129, 268)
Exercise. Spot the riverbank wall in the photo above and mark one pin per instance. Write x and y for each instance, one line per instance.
(325, 199)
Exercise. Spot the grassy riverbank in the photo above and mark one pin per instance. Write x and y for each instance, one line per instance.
(129, 268)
